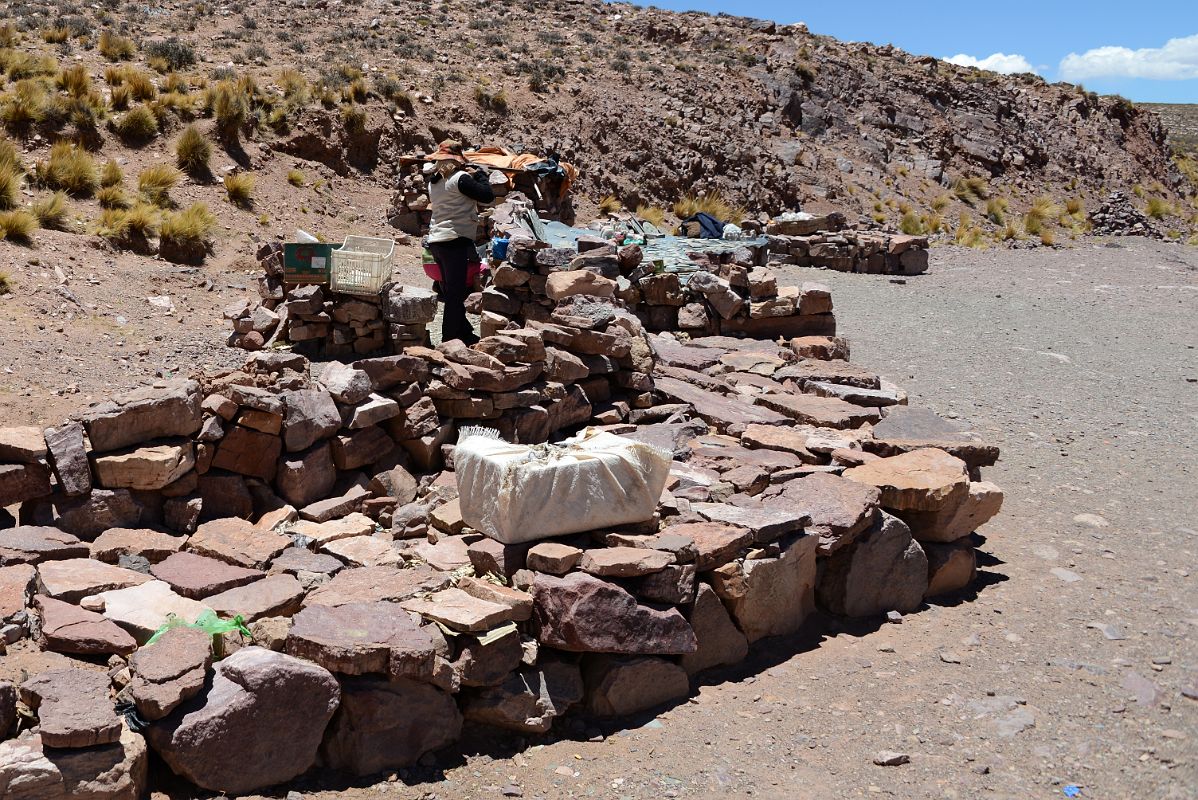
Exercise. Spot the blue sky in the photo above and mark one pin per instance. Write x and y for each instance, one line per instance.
(1146, 51)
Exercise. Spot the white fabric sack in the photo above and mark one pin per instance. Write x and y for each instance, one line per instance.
(521, 493)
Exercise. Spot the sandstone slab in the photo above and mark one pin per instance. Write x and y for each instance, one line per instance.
(273, 596)
(362, 638)
(21, 482)
(363, 551)
(715, 543)
(554, 558)
(146, 468)
(171, 670)
(238, 542)
(369, 584)
(951, 567)
(810, 409)
(884, 569)
(770, 596)
(16, 589)
(142, 610)
(905, 429)
(951, 523)
(153, 412)
(23, 444)
(29, 770)
(921, 480)
(153, 546)
(73, 708)
(720, 641)
(72, 579)
(197, 576)
(839, 508)
(624, 562)
(67, 454)
(33, 544)
(460, 611)
(766, 522)
(67, 628)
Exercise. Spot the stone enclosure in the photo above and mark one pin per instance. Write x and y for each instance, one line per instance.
(302, 520)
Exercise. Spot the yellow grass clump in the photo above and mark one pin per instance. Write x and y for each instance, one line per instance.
(240, 188)
(192, 151)
(69, 168)
(155, 183)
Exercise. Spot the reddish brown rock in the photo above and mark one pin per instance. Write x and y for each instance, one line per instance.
(146, 468)
(142, 610)
(884, 569)
(833, 371)
(528, 701)
(460, 611)
(67, 628)
(386, 725)
(771, 596)
(33, 544)
(725, 414)
(581, 613)
(151, 545)
(24, 445)
(715, 543)
(228, 740)
(720, 641)
(152, 412)
(237, 541)
(16, 589)
(824, 348)
(67, 454)
(273, 596)
(488, 663)
(248, 452)
(950, 523)
(839, 508)
(905, 429)
(490, 556)
(73, 707)
(295, 560)
(21, 482)
(518, 603)
(362, 447)
(197, 576)
(369, 584)
(71, 580)
(766, 522)
(306, 476)
(951, 567)
(620, 687)
(361, 638)
(363, 551)
(553, 557)
(826, 412)
(116, 771)
(171, 670)
(624, 562)
(922, 480)
(309, 416)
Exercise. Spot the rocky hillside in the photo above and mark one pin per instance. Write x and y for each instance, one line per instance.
(651, 105)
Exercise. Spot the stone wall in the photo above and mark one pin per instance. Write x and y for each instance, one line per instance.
(319, 505)
(826, 242)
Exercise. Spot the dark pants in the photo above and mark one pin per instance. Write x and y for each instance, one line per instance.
(453, 258)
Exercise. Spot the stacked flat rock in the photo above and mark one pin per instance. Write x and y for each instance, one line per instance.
(825, 241)
(317, 503)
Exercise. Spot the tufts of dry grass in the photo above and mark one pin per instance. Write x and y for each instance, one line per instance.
(75, 81)
(129, 227)
(113, 197)
(17, 226)
(295, 178)
(25, 105)
(354, 119)
(1159, 209)
(971, 190)
(996, 210)
(656, 215)
(9, 157)
(1038, 216)
(155, 183)
(138, 125)
(911, 224)
(192, 151)
(490, 100)
(240, 188)
(712, 203)
(69, 168)
(5, 283)
(184, 235)
(10, 186)
(121, 96)
(115, 47)
(968, 234)
(52, 211)
(111, 174)
(141, 86)
(19, 64)
(609, 205)
(230, 107)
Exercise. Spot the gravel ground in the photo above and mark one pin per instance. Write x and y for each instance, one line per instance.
(1068, 667)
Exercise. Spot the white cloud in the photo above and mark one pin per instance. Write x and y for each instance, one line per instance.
(996, 62)
(1176, 61)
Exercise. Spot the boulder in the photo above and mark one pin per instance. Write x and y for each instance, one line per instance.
(67, 628)
(884, 569)
(385, 725)
(771, 596)
(30, 770)
(921, 480)
(171, 670)
(528, 700)
(154, 412)
(346, 384)
(581, 613)
(951, 523)
(720, 641)
(33, 544)
(228, 740)
(73, 708)
(306, 476)
(362, 638)
(951, 567)
(564, 284)
(89, 515)
(68, 457)
(146, 468)
(309, 415)
(620, 687)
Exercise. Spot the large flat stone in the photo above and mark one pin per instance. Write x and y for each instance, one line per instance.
(21, 482)
(67, 454)
(147, 468)
(67, 628)
(248, 452)
(766, 523)
(825, 412)
(153, 546)
(369, 584)
(237, 541)
(950, 523)
(273, 596)
(624, 562)
(197, 577)
(142, 610)
(460, 611)
(22, 444)
(921, 480)
(171, 670)
(362, 638)
(33, 544)
(73, 708)
(774, 437)
(715, 543)
(724, 413)
(839, 508)
(720, 641)
(154, 412)
(72, 579)
(834, 371)
(16, 589)
(906, 428)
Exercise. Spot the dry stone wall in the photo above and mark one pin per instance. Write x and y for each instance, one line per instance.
(316, 506)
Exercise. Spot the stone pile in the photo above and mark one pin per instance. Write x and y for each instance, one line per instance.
(826, 242)
(324, 513)
(322, 323)
(1118, 216)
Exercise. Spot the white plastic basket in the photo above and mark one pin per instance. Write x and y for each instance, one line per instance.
(362, 265)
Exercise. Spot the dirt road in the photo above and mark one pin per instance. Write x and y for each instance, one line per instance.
(1073, 669)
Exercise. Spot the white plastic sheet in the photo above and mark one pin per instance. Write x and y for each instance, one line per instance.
(521, 493)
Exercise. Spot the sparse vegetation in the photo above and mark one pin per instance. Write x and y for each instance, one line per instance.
(10, 186)
(155, 183)
(971, 190)
(129, 228)
(1159, 209)
(51, 212)
(656, 215)
(111, 174)
(609, 205)
(169, 55)
(491, 100)
(1037, 217)
(911, 224)
(138, 125)
(112, 197)
(230, 108)
(17, 226)
(969, 234)
(69, 168)
(240, 188)
(354, 119)
(115, 47)
(192, 151)
(941, 202)
(184, 235)
(25, 104)
(996, 210)
(712, 203)
(5, 283)
(295, 177)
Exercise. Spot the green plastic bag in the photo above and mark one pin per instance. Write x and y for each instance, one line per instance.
(207, 621)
